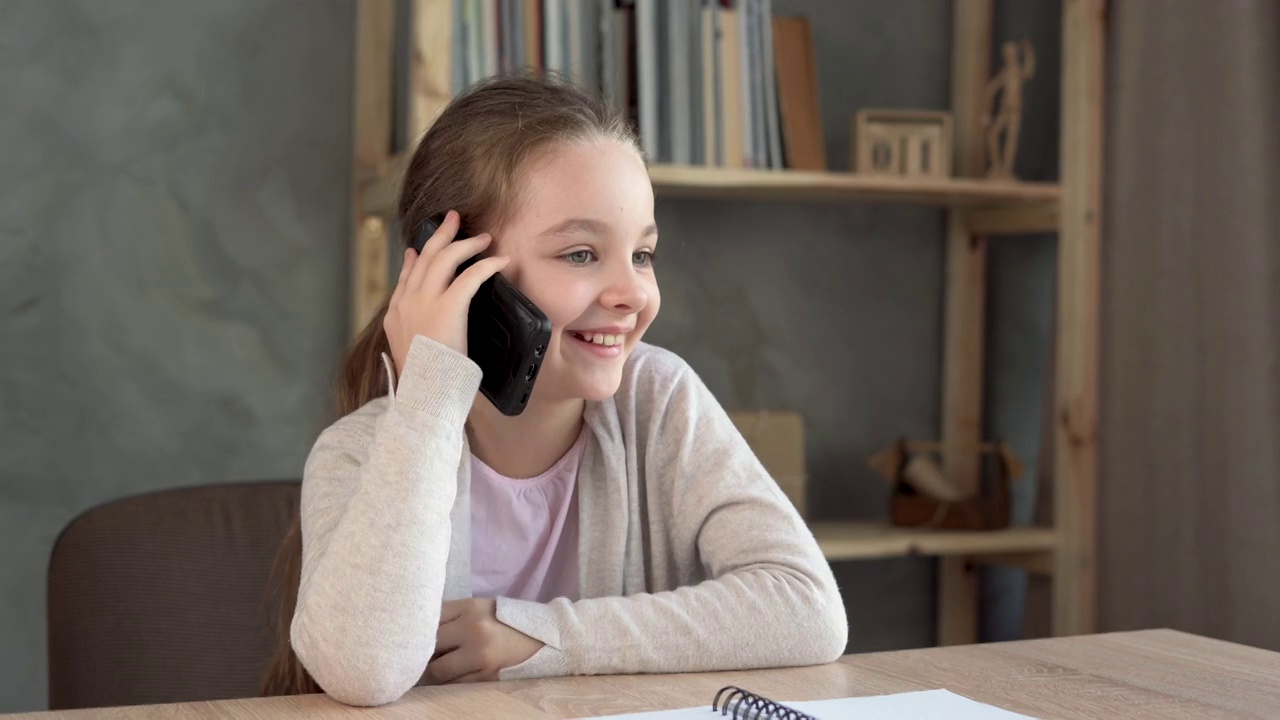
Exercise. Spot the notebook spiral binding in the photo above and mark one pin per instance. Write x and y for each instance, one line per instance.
(742, 705)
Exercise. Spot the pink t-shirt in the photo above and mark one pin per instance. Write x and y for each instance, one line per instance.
(524, 532)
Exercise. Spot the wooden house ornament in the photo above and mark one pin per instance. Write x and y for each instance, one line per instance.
(903, 143)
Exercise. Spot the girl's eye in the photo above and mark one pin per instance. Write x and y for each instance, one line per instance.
(579, 257)
(643, 258)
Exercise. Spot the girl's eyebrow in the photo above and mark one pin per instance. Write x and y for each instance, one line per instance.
(588, 226)
(574, 226)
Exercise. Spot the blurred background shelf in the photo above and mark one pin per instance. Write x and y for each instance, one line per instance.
(869, 539)
(379, 193)
(781, 185)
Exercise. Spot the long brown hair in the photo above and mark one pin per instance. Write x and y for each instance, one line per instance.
(470, 160)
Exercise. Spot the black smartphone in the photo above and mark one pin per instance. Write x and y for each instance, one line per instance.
(507, 335)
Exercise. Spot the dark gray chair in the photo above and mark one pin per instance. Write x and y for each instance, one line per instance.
(161, 597)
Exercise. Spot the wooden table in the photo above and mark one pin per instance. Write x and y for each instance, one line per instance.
(1147, 674)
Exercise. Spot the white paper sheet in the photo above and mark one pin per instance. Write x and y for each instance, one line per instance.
(922, 705)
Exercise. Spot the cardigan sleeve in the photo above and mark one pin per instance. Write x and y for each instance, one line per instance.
(377, 491)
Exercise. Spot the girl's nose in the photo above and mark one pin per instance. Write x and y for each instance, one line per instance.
(626, 293)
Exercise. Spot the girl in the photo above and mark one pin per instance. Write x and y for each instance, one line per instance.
(620, 524)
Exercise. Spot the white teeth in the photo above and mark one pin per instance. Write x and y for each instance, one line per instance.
(602, 338)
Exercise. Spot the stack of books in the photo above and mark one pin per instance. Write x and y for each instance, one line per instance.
(706, 82)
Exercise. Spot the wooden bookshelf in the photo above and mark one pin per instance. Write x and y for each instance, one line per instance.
(976, 210)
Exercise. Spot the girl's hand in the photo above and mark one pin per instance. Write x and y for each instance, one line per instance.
(472, 645)
(428, 299)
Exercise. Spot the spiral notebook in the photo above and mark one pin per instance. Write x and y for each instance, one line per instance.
(737, 703)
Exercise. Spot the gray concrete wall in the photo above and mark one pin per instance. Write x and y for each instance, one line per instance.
(173, 213)
(173, 195)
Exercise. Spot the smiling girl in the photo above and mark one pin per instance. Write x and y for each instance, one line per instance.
(620, 524)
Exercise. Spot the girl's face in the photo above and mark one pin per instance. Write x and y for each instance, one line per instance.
(581, 245)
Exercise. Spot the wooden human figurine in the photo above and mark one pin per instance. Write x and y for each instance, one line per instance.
(1008, 115)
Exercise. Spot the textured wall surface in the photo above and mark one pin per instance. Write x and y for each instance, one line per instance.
(173, 214)
(173, 194)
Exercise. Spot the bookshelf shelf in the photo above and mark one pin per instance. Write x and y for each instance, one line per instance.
(865, 540)
(781, 185)
(1002, 207)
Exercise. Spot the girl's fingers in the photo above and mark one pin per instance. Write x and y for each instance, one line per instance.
(470, 280)
(443, 235)
(444, 266)
(449, 637)
(453, 665)
(439, 239)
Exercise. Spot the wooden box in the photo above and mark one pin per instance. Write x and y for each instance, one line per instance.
(777, 439)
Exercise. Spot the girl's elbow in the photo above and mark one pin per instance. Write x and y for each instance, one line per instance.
(833, 627)
(352, 677)
(822, 633)
(821, 639)
(836, 638)
(367, 692)
(367, 689)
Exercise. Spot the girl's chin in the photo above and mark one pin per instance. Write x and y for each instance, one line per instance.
(601, 389)
(599, 395)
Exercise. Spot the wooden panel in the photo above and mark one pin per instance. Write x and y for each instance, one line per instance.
(1076, 399)
(373, 247)
(962, 373)
(1189, 447)
(963, 355)
(853, 540)
(430, 70)
(373, 87)
(1150, 674)
(372, 148)
(1153, 673)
